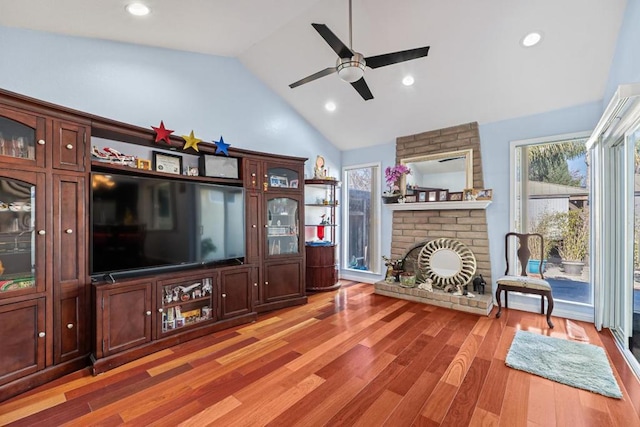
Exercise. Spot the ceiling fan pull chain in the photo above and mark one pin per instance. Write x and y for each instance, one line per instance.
(350, 28)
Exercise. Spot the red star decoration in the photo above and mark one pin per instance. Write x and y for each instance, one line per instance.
(162, 133)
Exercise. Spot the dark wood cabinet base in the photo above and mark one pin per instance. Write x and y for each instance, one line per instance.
(321, 273)
(109, 362)
(44, 376)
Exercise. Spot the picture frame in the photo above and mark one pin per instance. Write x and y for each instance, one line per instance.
(143, 164)
(193, 171)
(469, 195)
(278, 181)
(455, 196)
(442, 195)
(432, 196)
(422, 196)
(410, 198)
(484, 194)
(293, 183)
(167, 163)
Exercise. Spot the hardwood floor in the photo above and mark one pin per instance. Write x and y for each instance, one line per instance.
(348, 357)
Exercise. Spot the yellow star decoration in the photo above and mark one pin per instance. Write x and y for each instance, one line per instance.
(191, 141)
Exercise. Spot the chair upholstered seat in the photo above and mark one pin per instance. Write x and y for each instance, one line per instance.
(525, 282)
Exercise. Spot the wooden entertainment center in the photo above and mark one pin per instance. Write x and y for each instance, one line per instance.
(55, 318)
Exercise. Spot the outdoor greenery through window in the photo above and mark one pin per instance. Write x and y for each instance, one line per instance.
(552, 194)
(361, 218)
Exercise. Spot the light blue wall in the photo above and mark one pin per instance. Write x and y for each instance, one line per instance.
(142, 85)
(625, 67)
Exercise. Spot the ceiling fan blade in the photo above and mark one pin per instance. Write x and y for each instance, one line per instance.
(313, 77)
(336, 44)
(363, 89)
(395, 57)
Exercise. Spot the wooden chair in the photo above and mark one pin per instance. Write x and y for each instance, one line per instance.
(524, 283)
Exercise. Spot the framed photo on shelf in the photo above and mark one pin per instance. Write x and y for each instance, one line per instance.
(410, 198)
(278, 181)
(432, 196)
(143, 164)
(293, 183)
(422, 196)
(455, 196)
(486, 194)
(469, 195)
(442, 195)
(167, 163)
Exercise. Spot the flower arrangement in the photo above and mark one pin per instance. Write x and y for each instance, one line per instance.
(392, 176)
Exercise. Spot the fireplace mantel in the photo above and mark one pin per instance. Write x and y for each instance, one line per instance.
(439, 206)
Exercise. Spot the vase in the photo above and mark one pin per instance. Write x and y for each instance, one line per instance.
(320, 232)
(391, 198)
(534, 266)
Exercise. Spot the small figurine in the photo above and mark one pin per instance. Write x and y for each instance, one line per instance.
(479, 284)
(426, 286)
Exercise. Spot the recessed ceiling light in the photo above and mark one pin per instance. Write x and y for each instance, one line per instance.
(408, 80)
(137, 9)
(330, 106)
(531, 39)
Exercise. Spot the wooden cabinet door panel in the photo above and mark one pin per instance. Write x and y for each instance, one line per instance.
(236, 292)
(70, 328)
(253, 227)
(68, 146)
(126, 317)
(22, 328)
(283, 280)
(11, 120)
(69, 231)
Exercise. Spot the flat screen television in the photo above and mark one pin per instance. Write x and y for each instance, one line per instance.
(146, 224)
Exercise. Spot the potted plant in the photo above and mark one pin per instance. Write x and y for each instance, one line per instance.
(574, 239)
(392, 178)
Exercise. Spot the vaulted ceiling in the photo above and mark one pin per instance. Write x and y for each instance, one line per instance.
(476, 69)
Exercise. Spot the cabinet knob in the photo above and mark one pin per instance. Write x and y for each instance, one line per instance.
(266, 226)
(160, 310)
(253, 174)
(224, 295)
(41, 142)
(255, 284)
(266, 176)
(253, 226)
(69, 147)
(148, 313)
(41, 334)
(68, 231)
(42, 232)
(266, 283)
(69, 325)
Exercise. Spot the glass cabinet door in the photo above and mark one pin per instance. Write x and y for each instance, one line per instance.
(279, 177)
(283, 226)
(21, 137)
(17, 237)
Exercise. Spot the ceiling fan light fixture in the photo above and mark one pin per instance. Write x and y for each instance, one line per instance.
(137, 9)
(351, 69)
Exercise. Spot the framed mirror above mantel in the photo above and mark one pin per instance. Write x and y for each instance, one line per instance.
(451, 171)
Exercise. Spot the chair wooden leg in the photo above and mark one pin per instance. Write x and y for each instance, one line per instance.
(549, 309)
(541, 304)
(499, 301)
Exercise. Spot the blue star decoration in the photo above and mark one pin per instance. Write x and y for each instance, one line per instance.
(222, 147)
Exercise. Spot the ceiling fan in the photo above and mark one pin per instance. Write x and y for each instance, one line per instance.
(350, 64)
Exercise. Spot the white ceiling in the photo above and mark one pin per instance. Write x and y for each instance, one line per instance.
(476, 69)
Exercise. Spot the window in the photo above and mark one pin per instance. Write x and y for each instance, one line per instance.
(551, 197)
(361, 214)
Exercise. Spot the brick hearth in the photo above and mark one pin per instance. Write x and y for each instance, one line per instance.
(480, 304)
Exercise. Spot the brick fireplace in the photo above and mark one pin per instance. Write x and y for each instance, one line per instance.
(467, 226)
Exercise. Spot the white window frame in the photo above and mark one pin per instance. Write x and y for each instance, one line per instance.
(567, 309)
(375, 246)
